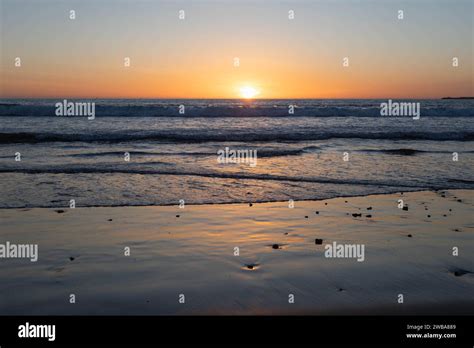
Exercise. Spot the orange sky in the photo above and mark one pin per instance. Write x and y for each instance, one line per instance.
(194, 58)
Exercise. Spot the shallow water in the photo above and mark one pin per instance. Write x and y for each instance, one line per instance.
(174, 156)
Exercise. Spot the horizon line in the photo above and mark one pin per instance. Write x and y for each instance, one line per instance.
(242, 99)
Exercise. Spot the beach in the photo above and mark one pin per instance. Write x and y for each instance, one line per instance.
(260, 172)
(191, 251)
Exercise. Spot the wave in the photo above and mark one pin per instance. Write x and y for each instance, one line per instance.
(237, 108)
(461, 181)
(261, 153)
(203, 137)
(406, 151)
(220, 175)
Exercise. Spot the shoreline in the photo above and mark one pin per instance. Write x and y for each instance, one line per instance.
(242, 202)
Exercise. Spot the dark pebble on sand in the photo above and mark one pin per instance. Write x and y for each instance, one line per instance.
(317, 212)
(318, 241)
(369, 216)
(409, 235)
(59, 211)
(178, 215)
(450, 210)
(325, 204)
(110, 220)
(444, 215)
(428, 216)
(460, 272)
(275, 246)
(356, 215)
(251, 265)
(250, 204)
(460, 200)
(306, 216)
(405, 207)
(71, 258)
(369, 208)
(345, 201)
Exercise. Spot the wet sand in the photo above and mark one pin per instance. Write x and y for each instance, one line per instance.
(191, 251)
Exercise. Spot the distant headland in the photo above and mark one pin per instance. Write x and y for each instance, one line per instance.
(457, 98)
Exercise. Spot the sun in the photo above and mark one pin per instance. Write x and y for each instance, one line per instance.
(248, 92)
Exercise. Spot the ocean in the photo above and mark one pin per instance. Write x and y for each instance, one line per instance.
(325, 149)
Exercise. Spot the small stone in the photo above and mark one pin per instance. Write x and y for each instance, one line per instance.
(251, 265)
(369, 216)
(306, 216)
(71, 258)
(325, 204)
(369, 208)
(318, 241)
(109, 220)
(461, 272)
(275, 246)
(405, 207)
(409, 235)
(178, 216)
(428, 216)
(317, 212)
(356, 215)
(59, 211)
(250, 204)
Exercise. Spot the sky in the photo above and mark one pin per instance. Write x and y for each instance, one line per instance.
(278, 57)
